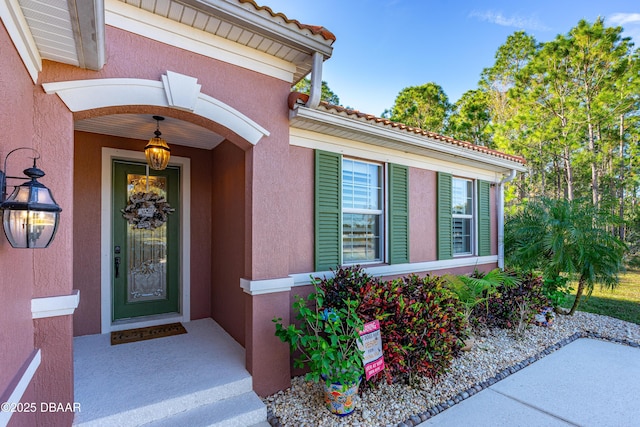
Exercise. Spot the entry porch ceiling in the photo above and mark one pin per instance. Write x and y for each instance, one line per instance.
(139, 126)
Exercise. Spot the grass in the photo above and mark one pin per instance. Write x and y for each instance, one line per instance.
(622, 303)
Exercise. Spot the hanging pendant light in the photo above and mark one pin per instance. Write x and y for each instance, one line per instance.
(157, 151)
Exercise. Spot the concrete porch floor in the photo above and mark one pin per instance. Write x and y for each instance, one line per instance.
(198, 378)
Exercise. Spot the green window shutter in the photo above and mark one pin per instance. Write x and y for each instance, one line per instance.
(398, 214)
(484, 218)
(328, 210)
(444, 221)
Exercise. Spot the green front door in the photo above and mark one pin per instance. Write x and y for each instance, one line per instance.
(145, 253)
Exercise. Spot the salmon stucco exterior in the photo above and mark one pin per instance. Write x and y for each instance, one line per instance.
(269, 186)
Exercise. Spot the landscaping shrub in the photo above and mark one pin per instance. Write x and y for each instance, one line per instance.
(345, 285)
(557, 290)
(421, 322)
(513, 306)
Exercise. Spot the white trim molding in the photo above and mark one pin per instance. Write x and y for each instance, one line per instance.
(172, 33)
(348, 147)
(106, 212)
(301, 279)
(18, 29)
(268, 286)
(399, 140)
(61, 305)
(20, 383)
(174, 91)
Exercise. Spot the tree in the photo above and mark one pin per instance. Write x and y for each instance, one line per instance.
(496, 81)
(425, 107)
(565, 101)
(470, 118)
(548, 106)
(598, 58)
(326, 94)
(565, 237)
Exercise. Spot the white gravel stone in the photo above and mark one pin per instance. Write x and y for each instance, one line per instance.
(302, 404)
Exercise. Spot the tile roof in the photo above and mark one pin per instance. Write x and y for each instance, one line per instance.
(315, 29)
(297, 98)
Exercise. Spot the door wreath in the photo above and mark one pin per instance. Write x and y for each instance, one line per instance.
(147, 210)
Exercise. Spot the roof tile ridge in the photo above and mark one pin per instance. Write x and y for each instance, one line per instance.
(314, 29)
(410, 129)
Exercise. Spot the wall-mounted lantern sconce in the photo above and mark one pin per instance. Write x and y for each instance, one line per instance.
(157, 151)
(30, 215)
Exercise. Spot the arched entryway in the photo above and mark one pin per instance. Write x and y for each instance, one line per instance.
(209, 145)
(113, 121)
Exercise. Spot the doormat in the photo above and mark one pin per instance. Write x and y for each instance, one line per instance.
(141, 334)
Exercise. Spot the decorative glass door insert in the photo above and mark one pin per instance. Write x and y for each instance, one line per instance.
(146, 247)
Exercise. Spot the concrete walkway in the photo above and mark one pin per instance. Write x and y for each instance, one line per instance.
(585, 383)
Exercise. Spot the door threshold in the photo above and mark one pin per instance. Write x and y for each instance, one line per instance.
(160, 319)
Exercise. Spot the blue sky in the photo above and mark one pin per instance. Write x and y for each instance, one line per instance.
(384, 46)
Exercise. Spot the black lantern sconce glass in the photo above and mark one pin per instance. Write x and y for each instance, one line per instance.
(30, 215)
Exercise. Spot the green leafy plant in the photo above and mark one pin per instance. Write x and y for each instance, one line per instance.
(327, 338)
(565, 237)
(556, 289)
(478, 287)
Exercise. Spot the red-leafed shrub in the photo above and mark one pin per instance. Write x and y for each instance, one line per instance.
(513, 306)
(421, 322)
(345, 285)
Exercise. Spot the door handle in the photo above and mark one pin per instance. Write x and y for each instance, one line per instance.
(117, 266)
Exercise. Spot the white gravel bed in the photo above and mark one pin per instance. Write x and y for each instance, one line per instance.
(302, 404)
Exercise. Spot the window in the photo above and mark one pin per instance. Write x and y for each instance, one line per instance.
(463, 221)
(362, 212)
(358, 217)
(462, 216)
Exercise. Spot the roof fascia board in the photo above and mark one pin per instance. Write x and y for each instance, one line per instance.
(266, 26)
(420, 142)
(18, 29)
(168, 31)
(87, 21)
(461, 167)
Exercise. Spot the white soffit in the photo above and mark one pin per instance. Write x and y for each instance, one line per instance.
(239, 23)
(400, 140)
(72, 31)
(67, 31)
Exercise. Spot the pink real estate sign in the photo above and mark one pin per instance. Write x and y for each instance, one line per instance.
(372, 346)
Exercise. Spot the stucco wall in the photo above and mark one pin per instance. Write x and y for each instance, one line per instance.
(31, 119)
(227, 239)
(301, 193)
(422, 215)
(16, 266)
(87, 200)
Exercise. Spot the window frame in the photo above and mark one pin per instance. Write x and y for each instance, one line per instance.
(472, 217)
(381, 213)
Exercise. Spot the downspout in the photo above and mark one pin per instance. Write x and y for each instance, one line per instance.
(500, 203)
(316, 81)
